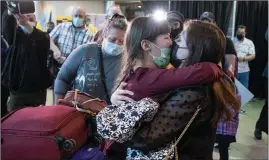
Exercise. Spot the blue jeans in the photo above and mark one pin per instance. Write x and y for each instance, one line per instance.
(243, 78)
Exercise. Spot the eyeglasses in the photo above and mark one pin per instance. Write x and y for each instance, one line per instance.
(117, 16)
(77, 15)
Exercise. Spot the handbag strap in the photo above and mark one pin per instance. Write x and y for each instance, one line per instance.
(174, 147)
(102, 71)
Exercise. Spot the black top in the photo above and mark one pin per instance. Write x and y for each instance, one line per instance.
(25, 70)
(230, 47)
(228, 50)
(4, 49)
(172, 117)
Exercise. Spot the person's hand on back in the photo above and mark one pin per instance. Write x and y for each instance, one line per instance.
(120, 95)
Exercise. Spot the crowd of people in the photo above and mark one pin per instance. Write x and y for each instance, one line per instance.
(163, 72)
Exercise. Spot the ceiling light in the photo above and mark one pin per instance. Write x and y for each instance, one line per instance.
(159, 15)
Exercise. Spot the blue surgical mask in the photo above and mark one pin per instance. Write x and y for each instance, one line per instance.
(111, 48)
(23, 29)
(78, 22)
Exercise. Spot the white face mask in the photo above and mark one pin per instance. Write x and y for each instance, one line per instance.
(111, 48)
(182, 51)
(78, 22)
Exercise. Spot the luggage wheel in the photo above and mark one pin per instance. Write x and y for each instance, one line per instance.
(64, 143)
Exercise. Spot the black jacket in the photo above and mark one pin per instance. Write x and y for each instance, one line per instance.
(25, 70)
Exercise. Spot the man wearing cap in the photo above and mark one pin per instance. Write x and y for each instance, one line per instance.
(176, 21)
(25, 73)
(208, 16)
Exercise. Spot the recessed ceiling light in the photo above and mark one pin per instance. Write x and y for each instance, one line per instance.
(159, 15)
(139, 6)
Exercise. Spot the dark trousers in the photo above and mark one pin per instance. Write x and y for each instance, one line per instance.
(21, 100)
(117, 151)
(262, 122)
(224, 150)
(4, 98)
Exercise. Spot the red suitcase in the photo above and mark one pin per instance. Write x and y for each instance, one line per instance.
(42, 133)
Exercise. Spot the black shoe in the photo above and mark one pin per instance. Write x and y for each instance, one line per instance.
(258, 134)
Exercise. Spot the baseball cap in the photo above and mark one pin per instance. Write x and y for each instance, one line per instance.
(207, 15)
(175, 16)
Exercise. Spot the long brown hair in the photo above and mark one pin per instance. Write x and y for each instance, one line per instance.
(141, 28)
(206, 43)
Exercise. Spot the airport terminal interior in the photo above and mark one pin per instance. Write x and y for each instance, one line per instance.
(126, 67)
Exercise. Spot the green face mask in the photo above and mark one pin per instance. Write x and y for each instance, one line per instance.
(163, 60)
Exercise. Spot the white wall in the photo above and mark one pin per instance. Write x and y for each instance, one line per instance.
(64, 8)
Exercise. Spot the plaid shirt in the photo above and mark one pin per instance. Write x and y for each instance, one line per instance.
(67, 38)
(229, 127)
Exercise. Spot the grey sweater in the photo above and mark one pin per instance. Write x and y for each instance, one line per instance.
(81, 70)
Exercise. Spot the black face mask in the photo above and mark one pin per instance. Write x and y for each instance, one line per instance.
(240, 37)
(174, 61)
(49, 30)
(175, 32)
